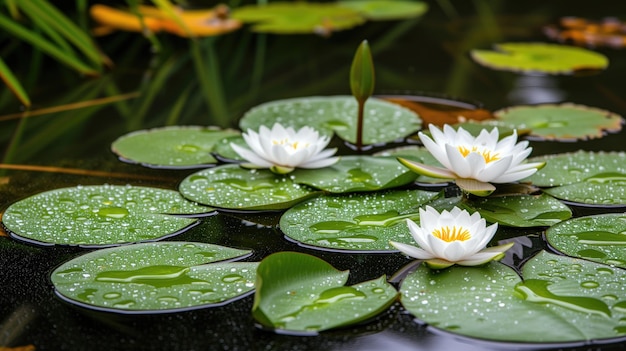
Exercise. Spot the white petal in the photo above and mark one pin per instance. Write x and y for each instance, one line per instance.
(495, 169)
(250, 156)
(418, 235)
(485, 255)
(427, 170)
(438, 151)
(412, 251)
(459, 164)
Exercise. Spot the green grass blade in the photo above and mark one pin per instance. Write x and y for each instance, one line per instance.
(208, 71)
(13, 83)
(44, 45)
(45, 12)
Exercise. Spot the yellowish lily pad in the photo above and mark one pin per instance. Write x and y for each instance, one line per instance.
(540, 57)
(565, 122)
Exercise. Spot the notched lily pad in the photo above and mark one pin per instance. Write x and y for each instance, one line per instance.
(155, 277)
(236, 188)
(540, 57)
(355, 222)
(299, 17)
(582, 302)
(600, 238)
(171, 147)
(520, 211)
(590, 178)
(100, 215)
(383, 121)
(564, 122)
(304, 294)
(356, 173)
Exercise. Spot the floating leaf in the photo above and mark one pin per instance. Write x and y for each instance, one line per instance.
(181, 22)
(440, 111)
(171, 147)
(355, 222)
(155, 277)
(100, 215)
(580, 301)
(299, 17)
(520, 211)
(565, 122)
(576, 167)
(593, 178)
(383, 121)
(357, 173)
(302, 293)
(600, 238)
(609, 31)
(236, 188)
(540, 57)
(379, 10)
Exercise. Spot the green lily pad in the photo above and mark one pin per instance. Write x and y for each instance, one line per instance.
(357, 173)
(100, 215)
(600, 238)
(355, 222)
(236, 188)
(565, 122)
(520, 211)
(298, 17)
(561, 299)
(592, 178)
(383, 121)
(155, 277)
(417, 154)
(302, 293)
(171, 147)
(540, 57)
(379, 10)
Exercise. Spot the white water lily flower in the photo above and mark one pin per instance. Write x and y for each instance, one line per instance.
(475, 162)
(283, 149)
(452, 237)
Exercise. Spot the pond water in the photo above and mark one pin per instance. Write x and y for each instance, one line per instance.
(70, 148)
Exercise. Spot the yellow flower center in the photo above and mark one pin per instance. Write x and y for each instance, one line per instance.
(294, 145)
(488, 155)
(448, 234)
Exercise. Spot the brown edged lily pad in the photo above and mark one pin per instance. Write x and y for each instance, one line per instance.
(540, 57)
(564, 122)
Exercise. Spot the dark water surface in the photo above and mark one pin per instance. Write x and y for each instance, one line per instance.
(428, 55)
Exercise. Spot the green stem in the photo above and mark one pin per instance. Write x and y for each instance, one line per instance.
(359, 125)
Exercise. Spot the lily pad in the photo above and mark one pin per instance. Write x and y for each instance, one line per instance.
(355, 222)
(580, 301)
(564, 122)
(600, 238)
(591, 178)
(357, 173)
(383, 121)
(302, 293)
(379, 10)
(155, 277)
(540, 57)
(298, 17)
(520, 211)
(171, 147)
(417, 154)
(100, 215)
(236, 188)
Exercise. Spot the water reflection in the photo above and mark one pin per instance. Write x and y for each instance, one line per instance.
(535, 89)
